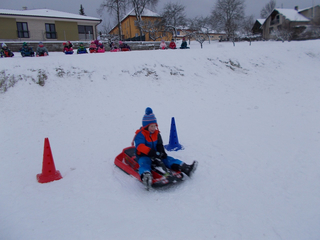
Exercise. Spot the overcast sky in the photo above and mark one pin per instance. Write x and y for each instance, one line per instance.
(193, 7)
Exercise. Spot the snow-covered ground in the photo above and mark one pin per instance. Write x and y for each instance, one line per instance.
(249, 114)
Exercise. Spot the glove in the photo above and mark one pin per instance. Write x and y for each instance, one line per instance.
(163, 155)
(153, 154)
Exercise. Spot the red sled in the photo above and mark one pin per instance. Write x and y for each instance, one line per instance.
(162, 176)
(42, 54)
(101, 50)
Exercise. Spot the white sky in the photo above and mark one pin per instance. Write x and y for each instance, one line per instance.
(193, 7)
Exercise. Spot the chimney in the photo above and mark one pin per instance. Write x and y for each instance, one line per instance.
(296, 8)
(24, 8)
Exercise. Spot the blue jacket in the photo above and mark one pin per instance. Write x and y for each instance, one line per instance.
(145, 141)
(26, 51)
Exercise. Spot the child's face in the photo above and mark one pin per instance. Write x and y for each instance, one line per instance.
(152, 127)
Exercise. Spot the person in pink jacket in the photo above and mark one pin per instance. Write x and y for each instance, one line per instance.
(163, 45)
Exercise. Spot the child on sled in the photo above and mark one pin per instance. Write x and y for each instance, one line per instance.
(149, 145)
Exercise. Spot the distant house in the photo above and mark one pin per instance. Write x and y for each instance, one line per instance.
(46, 25)
(187, 33)
(256, 29)
(312, 13)
(291, 20)
(131, 32)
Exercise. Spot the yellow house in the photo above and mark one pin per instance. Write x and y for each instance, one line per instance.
(46, 25)
(131, 32)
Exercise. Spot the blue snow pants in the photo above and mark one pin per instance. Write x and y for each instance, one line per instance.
(145, 163)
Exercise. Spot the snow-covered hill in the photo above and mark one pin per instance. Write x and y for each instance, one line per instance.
(249, 114)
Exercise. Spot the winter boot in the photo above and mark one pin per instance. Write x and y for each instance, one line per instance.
(146, 178)
(189, 169)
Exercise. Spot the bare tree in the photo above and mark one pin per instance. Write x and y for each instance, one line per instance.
(246, 28)
(138, 7)
(153, 28)
(267, 9)
(105, 28)
(117, 7)
(197, 30)
(206, 26)
(174, 17)
(228, 15)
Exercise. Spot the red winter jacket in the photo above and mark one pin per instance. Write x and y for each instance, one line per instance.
(172, 45)
(145, 141)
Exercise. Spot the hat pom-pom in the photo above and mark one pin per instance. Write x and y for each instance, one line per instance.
(148, 111)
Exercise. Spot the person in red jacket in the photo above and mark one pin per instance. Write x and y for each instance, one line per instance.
(149, 145)
(172, 44)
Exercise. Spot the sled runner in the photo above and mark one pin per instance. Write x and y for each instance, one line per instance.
(162, 176)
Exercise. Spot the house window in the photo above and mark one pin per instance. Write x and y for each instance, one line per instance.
(178, 32)
(22, 28)
(85, 32)
(51, 31)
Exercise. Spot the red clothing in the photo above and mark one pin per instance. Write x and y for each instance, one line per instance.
(145, 140)
(172, 45)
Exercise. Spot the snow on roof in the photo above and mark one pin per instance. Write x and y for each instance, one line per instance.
(146, 13)
(292, 15)
(46, 13)
(261, 21)
(301, 10)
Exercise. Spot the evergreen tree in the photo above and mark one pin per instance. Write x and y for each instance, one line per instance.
(81, 11)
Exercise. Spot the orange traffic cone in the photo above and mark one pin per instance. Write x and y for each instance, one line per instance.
(49, 172)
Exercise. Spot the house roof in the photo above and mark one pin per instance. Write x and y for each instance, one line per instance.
(292, 15)
(301, 10)
(48, 13)
(261, 21)
(146, 13)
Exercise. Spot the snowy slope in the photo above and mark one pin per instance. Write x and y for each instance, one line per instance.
(249, 114)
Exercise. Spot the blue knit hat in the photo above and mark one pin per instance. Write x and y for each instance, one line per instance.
(148, 118)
